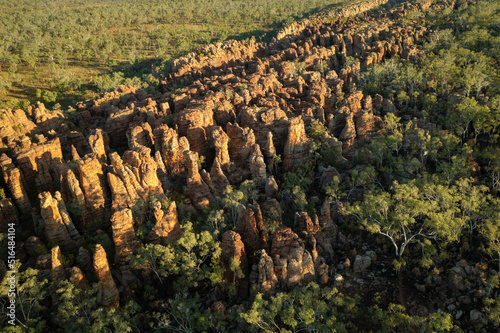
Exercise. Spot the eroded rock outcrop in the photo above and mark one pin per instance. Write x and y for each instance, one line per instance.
(250, 226)
(95, 188)
(263, 277)
(99, 143)
(133, 178)
(57, 273)
(256, 163)
(73, 196)
(241, 141)
(58, 224)
(220, 141)
(14, 179)
(141, 136)
(241, 107)
(77, 277)
(167, 141)
(126, 243)
(108, 293)
(84, 260)
(304, 223)
(293, 264)
(46, 120)
(14, 124)
(167, 228)
(35, 159)
(33, 245)
(233, 249)
(219, 181)
(8, 214)
(327, 235)
(144, 168)
(296, 151)
(198, 191)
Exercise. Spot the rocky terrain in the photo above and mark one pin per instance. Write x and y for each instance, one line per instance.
(227, 113)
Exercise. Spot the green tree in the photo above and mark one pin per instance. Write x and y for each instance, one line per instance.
(395, 131)
(234, 266)
(194, 257)
(317, 129)
(405, 215)
(473, 201)
(411, 78)
(115, 320)
(49, 96)
(395, 319)
(232, 199)
(309, 308)
(186, 314)
(490, 229)
(467, 113)
(30, 294)
(274, 164)
(76, 306)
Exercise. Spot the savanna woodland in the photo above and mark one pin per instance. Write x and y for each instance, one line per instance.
(250, 166)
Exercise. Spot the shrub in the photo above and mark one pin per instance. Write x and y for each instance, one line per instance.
(317, 129)
(49, 96)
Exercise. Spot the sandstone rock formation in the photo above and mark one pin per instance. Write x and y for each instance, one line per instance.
(241, 142)
(167, 228)
(33, 245)
(99, 143)
(57, 273)
(77, 277)
(144, 168)
(14, 124)
(218, 180)
(94, 186)
(141, 136)
(73, 195)
(250, 226)
(167, 142)
(296, 151)
(226, 113)
(293, 264)
(8, 214)
(108, 293)
(263, 277)
(220, 141)
(271, 210)
(33, 158)
(326, 237)
(14, 179)
(58, 224)
(256, 163)
(84, 260)
(126, 243)
(233, 249)
(304, 223)
(198, 191)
